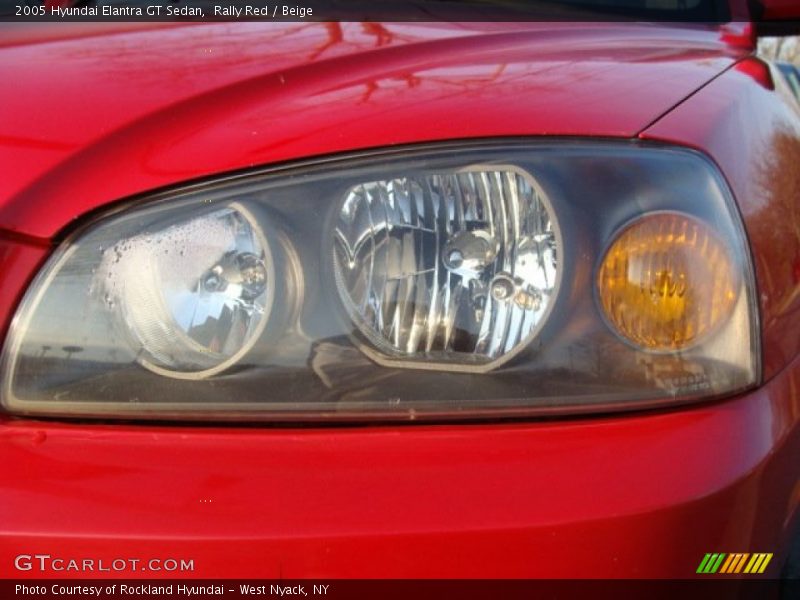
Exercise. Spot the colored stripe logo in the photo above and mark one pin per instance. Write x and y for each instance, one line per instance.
(728, 564)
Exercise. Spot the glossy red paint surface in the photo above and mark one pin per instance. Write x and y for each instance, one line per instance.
(260, 94)
(636, 495)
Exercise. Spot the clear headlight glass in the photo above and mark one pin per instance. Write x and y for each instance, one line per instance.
(456, 268)
(453, 281)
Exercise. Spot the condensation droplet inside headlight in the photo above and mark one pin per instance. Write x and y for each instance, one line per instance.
(455, 267)
(194, 296)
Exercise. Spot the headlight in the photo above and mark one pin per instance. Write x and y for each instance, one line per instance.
(447, 269)
(194, 296)
(486, 279)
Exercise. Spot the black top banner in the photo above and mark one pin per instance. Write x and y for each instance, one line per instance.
(706, 11)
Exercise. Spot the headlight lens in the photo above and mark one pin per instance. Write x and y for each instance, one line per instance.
(457, 268)
(195, 295)
(471, 280)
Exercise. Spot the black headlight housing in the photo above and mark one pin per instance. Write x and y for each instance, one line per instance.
(445, 281)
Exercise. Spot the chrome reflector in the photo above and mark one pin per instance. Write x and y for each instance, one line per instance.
(450, 267)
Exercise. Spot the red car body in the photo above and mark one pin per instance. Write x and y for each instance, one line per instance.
(97, 114)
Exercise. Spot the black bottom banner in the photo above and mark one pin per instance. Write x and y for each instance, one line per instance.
(414, 589)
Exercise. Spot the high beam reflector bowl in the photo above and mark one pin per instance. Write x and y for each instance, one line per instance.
(194, 297)
(667, 281)
(457, 268)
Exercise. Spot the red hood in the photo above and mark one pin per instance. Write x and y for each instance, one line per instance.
(105, 114)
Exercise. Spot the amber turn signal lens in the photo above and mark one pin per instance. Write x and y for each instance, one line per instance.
(667, 281)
